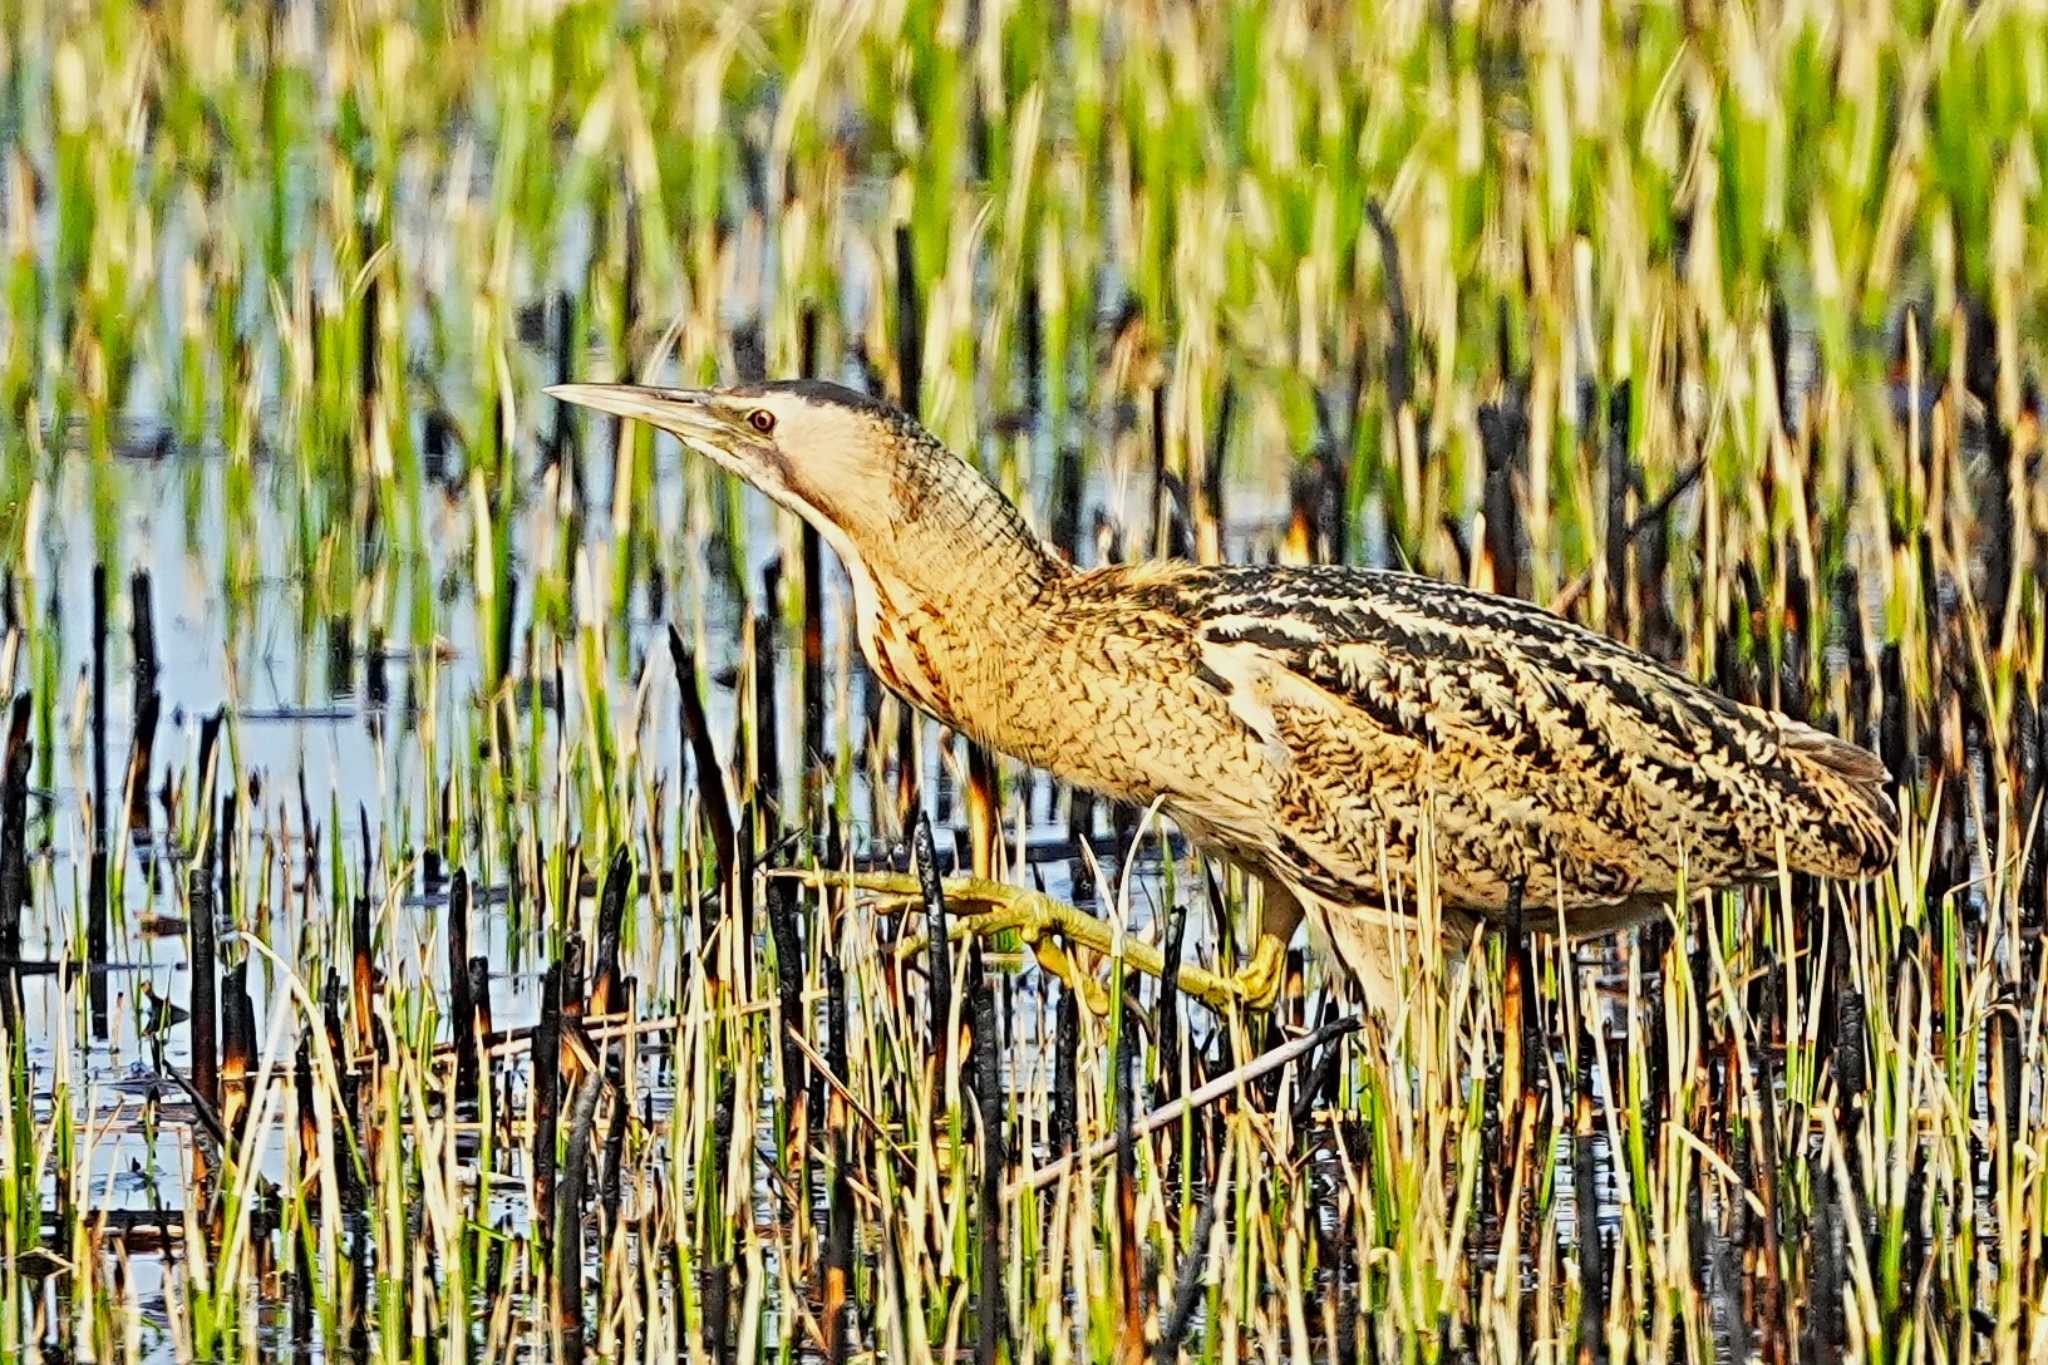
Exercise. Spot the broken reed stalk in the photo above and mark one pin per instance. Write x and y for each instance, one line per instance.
(1208, 1093)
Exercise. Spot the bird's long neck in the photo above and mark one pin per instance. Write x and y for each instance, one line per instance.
(962, 544)
(956, 599)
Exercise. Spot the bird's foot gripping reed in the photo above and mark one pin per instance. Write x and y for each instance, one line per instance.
(1049, 927)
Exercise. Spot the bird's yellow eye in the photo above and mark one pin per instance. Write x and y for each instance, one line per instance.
(761, 420)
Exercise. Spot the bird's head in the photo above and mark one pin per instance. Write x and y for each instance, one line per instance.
(887, 497)
(826, 453)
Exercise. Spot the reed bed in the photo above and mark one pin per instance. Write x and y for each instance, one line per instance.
(439, 753)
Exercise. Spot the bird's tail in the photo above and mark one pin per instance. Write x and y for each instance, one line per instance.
(1847, 825)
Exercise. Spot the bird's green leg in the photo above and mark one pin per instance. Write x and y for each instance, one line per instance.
(989, 908)
(1260, 979)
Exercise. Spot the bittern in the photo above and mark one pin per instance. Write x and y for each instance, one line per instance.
(1346, 736)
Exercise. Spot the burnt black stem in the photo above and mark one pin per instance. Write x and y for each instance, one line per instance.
(909, 325)
(925, 861)
(362, 973)
(1162, 502)
(1187, 1285)
(612, 1190)
(1067, 1046)
(1400, 379)
(910, 384)
(1586, 1214)
(768, 793)
(143, 633)
(813, 756)
(992, 1327)
(1621, 480)
(480, 997)
(14, 887)
(238, 1047)
(789, 990)
(606, 997)
(1504, 443)
(717, 1282)
(1212, 473)
(1130, 1276)
(837, 1270)
(1167, 1016)
(204, 1024)
(711, 791)
(461, 1008)
(547, 1090)
(367, 369)
(568, 1222)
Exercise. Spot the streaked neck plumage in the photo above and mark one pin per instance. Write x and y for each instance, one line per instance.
(957, 582)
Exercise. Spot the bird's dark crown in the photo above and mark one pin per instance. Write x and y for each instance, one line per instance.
(823, 391)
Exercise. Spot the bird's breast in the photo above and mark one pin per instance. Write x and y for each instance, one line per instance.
(903, 661)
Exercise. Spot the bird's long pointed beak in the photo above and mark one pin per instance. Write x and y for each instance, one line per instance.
(689, 413)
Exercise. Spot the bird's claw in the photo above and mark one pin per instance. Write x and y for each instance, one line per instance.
(1258, 981)
(1050, 926)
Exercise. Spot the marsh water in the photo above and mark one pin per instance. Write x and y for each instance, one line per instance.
(333, 719)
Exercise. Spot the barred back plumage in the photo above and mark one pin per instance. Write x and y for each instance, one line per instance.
(1543, 750)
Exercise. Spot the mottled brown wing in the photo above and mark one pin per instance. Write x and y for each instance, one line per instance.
(1519, 745)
